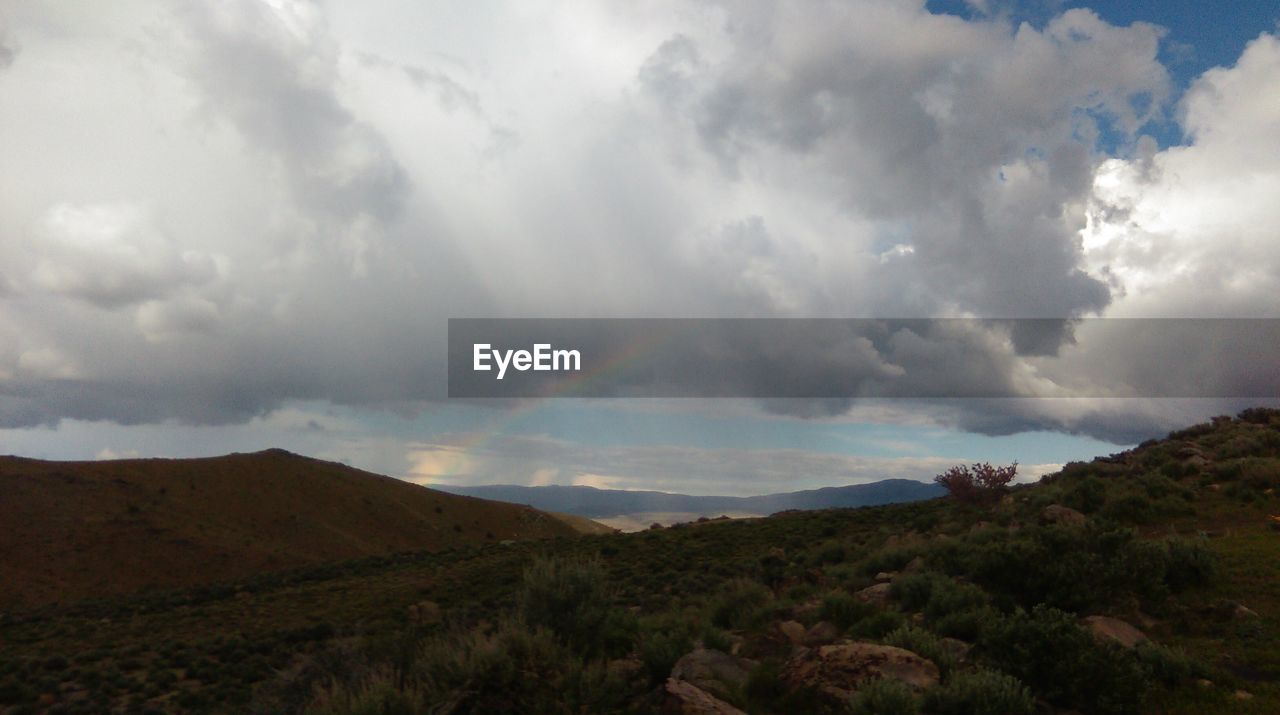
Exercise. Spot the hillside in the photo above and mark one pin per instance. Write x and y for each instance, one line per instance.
(70, 530)
(1141, 582)
(592, 502)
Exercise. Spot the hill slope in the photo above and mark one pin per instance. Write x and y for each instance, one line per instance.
(75, 529)
(592, 502)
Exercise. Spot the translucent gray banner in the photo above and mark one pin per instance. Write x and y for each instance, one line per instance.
(851, 358)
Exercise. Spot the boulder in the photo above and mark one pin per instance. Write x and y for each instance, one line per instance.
(807, 610)
(711, 670)
(1059, 514)
(1105, 628)
(835, 671)
(877, 595)
(915, 565)
(685, 698)
(793, 631)
(886, 576)
(822, 633)
(1242, 612)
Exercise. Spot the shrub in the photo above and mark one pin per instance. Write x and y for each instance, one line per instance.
(981, 692)
(844, 610)
(660, 651)
(979, 484)
(924, 644)
(883, 696)
(1188, 562)
(1047, 650)
(377, 694)
(1087, 496)
(878, 624)
(515, 669)
(741, 605)
(571, 598)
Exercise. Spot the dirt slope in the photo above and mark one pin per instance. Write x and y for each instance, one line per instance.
(70, 530)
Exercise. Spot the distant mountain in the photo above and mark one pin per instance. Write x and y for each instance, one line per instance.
(593, 503)
(76, 529)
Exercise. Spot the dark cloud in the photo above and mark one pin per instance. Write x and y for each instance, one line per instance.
(241, 208)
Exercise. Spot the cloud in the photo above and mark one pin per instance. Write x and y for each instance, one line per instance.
(112, 256)
(221, 210)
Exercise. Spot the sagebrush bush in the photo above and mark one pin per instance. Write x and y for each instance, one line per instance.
(1051, 653)
(844, 610)
(741, 605)
(924, 644)
(378, 693)
(981, 692)
(514, 669)
(572, 599)
(882, 696)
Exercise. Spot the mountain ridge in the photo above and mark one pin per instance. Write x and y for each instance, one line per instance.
(593, 502)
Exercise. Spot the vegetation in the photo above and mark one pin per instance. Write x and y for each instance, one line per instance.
(979, 484)
(1174, 538)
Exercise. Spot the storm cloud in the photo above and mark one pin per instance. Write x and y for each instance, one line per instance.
(207, 213)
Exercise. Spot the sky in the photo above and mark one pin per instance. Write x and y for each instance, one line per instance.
(239, 225)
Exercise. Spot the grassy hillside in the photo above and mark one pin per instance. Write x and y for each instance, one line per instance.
(965, 608)
(69, 530)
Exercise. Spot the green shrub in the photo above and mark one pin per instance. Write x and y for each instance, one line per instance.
(660, 651)
(889, 558)
(741, 605)
(883, 696)
(844, 610)
(1063, 663)
(572, 599)
(1087, 495)
(878, 624)
(923, 643)
(1167, 666)
(377, 694)
(1188, 563)
(912, 590)
(981, 692)
(514, 669)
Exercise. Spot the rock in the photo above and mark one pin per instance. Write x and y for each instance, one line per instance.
(822, 633)
(507, 542)
(776, 553)
(957, 648)
(793, 631)
(713, 671)
(1242, 612)
(877, 595)
(917, 619)
(886, 576)
(1204, 683)
(1244, 695)
(1105, 628)
(836, 670)
(915, 565)
(424, 613)
(1215, 487)
(687, 699)
(807, 610)
(1059, 514)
